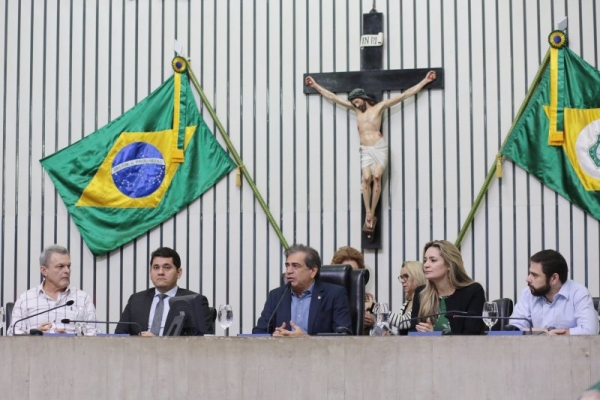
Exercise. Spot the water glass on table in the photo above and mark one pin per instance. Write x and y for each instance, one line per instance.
(80, 327)
(382, 323)
(382, 310)
(225, 316)
(490, 314)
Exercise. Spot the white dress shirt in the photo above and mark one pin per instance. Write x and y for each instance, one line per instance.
(167, 307)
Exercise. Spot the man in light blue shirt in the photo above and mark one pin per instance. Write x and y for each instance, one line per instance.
(305, 305)
(553, 302)
(301, 307)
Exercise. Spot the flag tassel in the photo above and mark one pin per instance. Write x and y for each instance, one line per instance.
(499, 160)
(238, 176)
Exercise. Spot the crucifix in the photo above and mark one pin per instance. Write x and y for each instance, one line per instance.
(365, 88)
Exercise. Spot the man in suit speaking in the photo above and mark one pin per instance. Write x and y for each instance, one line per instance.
(311, 306)
(150, 308)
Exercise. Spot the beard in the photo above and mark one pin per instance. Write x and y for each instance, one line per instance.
(542, 291)
(362, 107)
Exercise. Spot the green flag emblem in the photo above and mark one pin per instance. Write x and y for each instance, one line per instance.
(556, 136)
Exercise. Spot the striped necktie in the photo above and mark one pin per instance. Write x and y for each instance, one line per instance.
(158, 314)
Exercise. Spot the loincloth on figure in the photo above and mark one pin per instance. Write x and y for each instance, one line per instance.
(373, 155)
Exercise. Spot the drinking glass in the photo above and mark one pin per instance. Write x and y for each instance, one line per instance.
(225, 316)
(490, 314)
(80, 327)
(382, 324)
(2, 317)
(382, 310)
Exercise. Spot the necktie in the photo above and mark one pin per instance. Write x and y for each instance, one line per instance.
(158, 314)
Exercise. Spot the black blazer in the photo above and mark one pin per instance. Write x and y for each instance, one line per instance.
(328, 310)
(138, 310)
(470, 299)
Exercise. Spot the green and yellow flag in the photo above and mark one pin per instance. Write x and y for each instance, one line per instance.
(140, 169)
(557, 136)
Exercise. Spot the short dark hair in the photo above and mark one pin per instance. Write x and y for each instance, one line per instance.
(166, 252)
(311, 256)
(552, 263)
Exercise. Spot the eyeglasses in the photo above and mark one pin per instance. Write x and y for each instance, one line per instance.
(403, 277)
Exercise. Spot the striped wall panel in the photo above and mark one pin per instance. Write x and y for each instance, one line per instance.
(68, 67)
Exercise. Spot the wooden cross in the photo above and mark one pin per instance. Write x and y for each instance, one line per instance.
(374, 80)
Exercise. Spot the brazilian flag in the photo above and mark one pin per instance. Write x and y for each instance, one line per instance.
(556, 137)
(140, 169)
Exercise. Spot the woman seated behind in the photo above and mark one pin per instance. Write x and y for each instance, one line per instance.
(448, 288)
(411, 277)
(354, 258)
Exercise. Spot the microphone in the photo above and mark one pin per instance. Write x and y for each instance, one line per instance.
(342, 330)
(499, 318)
(339, 331)
(68, 303)
(287, 287)
(448, 314)
(370, 309)
(68, 321)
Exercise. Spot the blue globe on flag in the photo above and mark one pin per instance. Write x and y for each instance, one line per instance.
(138, 170)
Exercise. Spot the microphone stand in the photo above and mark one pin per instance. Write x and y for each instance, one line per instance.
(37, 332)
(498, 318)
(448, 314)
(68, 321)
(287, 287)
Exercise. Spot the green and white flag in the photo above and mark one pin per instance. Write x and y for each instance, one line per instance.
(557, 136)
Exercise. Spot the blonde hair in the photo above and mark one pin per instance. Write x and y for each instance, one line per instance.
(415, 271)
(429, 297)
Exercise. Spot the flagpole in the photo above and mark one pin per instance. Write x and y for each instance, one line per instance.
(237, 159)
(497, 165)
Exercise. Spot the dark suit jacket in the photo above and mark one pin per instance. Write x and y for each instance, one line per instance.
(138, 310)
(328, 310)
(469, 299)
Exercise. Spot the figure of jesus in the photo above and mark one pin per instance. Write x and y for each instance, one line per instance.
(373, 148)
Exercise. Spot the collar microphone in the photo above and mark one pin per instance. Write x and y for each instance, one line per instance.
(68, 303)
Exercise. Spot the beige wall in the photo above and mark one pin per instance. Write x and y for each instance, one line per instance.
(317, 368)
(69, 67)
